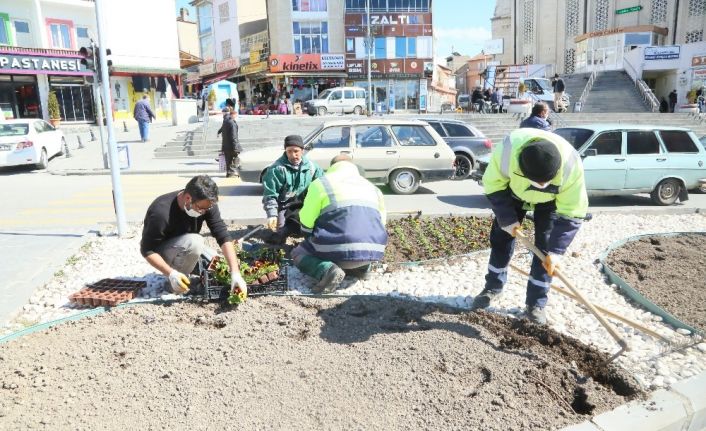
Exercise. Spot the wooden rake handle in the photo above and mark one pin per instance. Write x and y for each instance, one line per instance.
(579, 296)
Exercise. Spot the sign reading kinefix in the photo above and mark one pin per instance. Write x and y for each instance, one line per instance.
(48, 65)
(306, 62)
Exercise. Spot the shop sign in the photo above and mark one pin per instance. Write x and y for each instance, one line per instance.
(254, 56)
(306, 62)
(390, 24)
(662, 52)
(260, 66)
(25, 64)
(207, 69)
(229, 64)
(402, 68)
(698, 60)
(628, 10)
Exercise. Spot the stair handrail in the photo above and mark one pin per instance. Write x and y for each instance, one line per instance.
(587, 89)
(205, 128)
(647, 95)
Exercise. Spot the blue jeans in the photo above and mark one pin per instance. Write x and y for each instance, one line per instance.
(503, 244)
(144, 129)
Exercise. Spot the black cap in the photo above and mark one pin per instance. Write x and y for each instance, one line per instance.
(293, 141)
(540, 161)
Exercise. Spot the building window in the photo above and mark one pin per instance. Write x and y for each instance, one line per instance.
(309, 5)
(83, 37)
(205, 18)
(225, 49)
(528, 21)
(223, 12)
(694, 36)
(310, 37)
(601, 15)
(572, 17)
(5, 34)
(528, 59)
(350, 44)
(380, 47)
(22, 34)
(389, 5)
(405, 47)
(569, 60)
(658, 12)
(60, 34)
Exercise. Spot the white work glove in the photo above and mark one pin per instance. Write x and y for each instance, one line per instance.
(511, 229)
(551, 263)
(272, 223)
(238, 288)
(180, 282)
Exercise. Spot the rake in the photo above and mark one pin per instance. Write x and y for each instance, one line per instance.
(579, 297)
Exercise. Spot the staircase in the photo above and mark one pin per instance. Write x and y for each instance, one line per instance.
(613, 91)
(574, 85)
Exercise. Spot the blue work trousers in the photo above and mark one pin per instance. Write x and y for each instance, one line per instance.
(503, 245)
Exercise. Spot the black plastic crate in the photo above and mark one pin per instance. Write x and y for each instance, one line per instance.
(211, 290)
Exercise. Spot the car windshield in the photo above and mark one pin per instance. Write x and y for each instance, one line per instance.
(545, 84)
(575, 136)
(15, 129)
(324, 95)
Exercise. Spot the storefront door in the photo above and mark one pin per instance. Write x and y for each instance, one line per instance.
(19, 97)
(75, 102)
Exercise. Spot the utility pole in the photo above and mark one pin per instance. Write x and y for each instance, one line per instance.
(112, 145)
(369, 44)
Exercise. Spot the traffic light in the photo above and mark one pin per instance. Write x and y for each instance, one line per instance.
(89, 57)
(107, 54)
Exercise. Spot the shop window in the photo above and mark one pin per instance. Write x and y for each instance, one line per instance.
(310, 37)
(642, 143)
(309, 5)
(60, 34)
(22, 34)
(5, 33)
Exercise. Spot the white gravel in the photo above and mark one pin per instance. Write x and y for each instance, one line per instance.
(653, 363)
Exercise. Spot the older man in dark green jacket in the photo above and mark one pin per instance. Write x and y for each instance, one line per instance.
(285, 184)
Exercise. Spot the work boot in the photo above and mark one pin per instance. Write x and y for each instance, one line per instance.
(536, 315)
(361, 273)
(483, 299)
(330, 281)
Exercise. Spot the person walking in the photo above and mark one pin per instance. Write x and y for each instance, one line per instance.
(230, 145)
(285, 185)
(344, 217)
(539, 171)
(672, 100)
(171, 241)
(559, 87)
(144, 116)
(538, 118)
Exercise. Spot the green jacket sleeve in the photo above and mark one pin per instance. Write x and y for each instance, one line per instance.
(272, 183)
(313, 204)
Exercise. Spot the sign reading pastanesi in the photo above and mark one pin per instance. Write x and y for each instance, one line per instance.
(20, 63)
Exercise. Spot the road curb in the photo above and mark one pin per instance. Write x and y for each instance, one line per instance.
(86, 172)
(681, 407)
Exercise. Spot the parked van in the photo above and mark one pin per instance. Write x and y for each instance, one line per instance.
(541, 89)
(337, 100)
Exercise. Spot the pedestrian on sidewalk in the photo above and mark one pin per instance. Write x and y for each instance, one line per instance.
(532, 170)
(230, 145)
(344, 215)
(559, 87)
(144, 115)
(672, 100)
(538, 118)
(171, 241)
(285, 185)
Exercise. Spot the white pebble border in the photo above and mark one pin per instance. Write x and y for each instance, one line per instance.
(654, 364)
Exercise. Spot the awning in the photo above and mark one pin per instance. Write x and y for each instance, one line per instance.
(148, 71)
(217, 77)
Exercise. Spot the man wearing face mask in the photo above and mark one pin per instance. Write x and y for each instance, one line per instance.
(539, 171)
(171, 241)
(285, 184)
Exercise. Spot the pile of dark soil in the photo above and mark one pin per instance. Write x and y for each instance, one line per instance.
(669, 270)
(302, 363)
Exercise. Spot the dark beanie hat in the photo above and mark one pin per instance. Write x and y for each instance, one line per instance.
(540, 161)
(293, 141)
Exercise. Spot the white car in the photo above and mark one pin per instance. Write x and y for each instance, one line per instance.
(29, 142)
(399, 153)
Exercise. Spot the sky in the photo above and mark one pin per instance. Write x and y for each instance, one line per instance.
(461, 25)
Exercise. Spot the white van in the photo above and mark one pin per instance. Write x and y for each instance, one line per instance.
(337, 100)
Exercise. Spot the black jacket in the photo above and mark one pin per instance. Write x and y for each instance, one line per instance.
(558, 85)
(229, 136)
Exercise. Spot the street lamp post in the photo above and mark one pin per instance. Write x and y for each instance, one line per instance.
(369, 44)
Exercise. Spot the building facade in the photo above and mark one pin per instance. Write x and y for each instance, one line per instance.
(219, 38)
(401, 51)
(586, 35)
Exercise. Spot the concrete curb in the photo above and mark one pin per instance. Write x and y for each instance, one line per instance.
(79, 172)
(681, 407)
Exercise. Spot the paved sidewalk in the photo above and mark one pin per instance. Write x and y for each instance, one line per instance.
(89, 160)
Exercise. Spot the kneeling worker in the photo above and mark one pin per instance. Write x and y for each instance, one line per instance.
(171, 242)
(344, 215)
(539, 171)
(285, 184)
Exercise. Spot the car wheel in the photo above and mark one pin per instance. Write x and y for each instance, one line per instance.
(63, 146)
(43, 160)
(404, 181)
(321, 111)
(666, 192)
(357, 110)
(463, 165)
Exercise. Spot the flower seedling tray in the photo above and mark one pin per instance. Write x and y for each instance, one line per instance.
(107, 292)
(117, 284)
